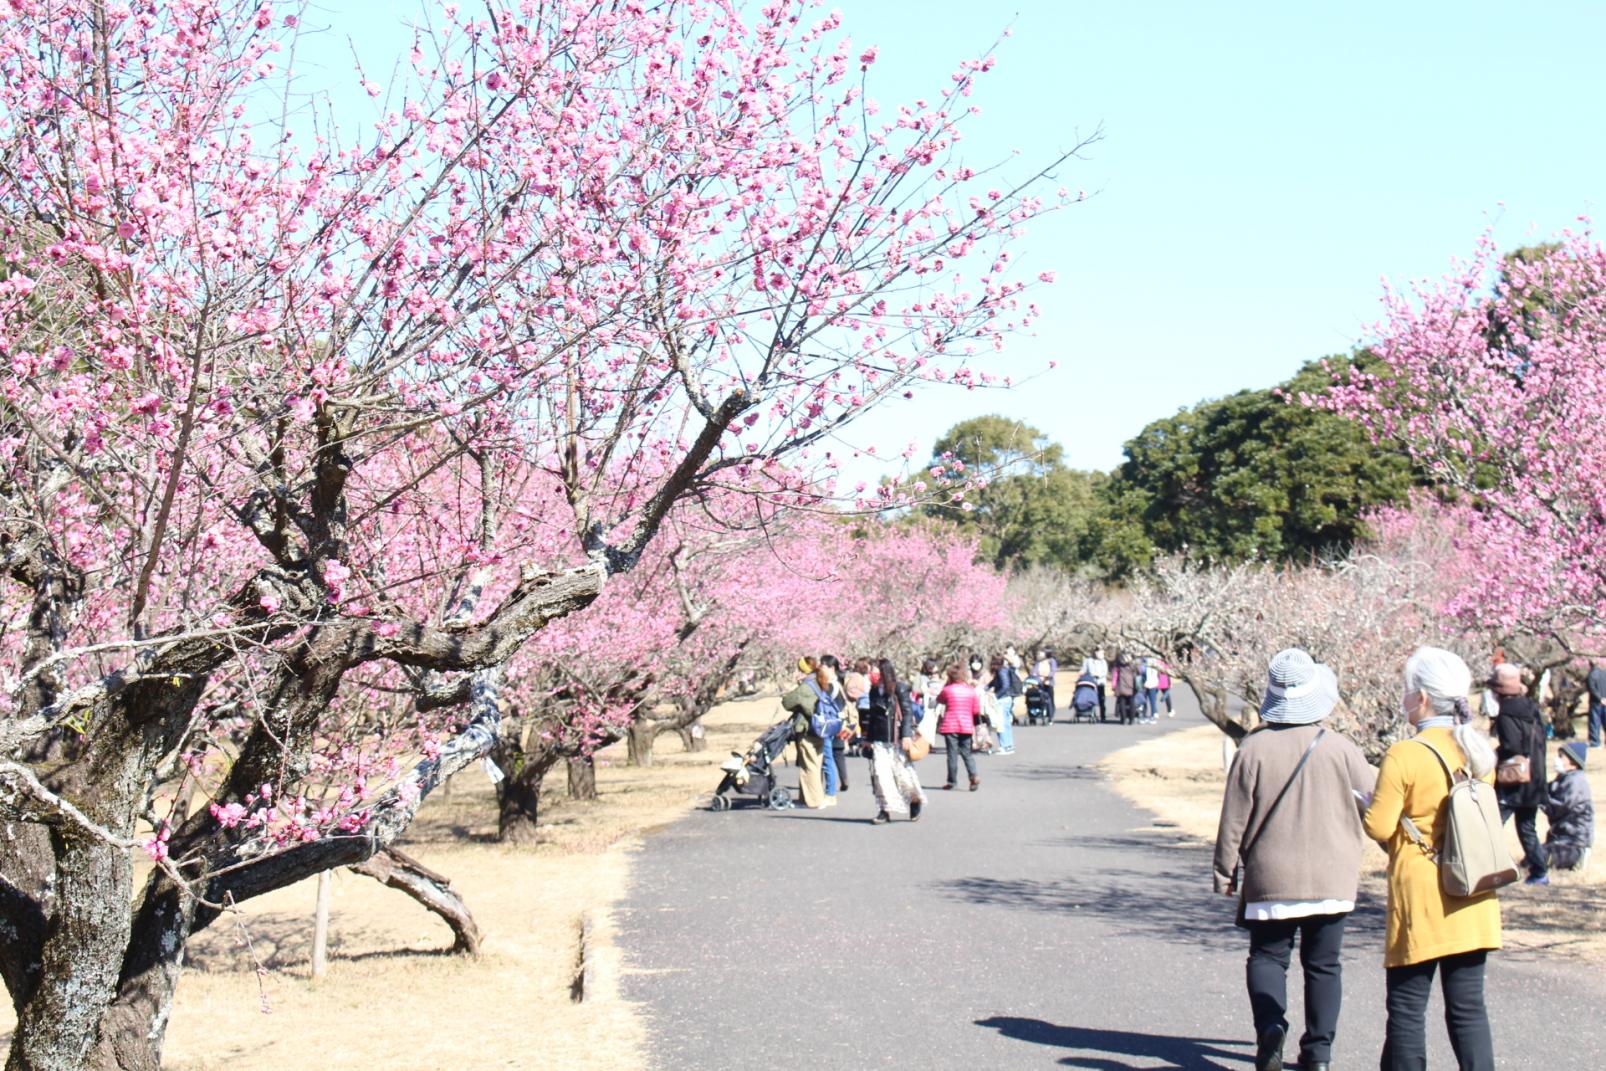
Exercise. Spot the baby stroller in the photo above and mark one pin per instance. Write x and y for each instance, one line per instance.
(1038, 710)
(753, 774)
(1085, 700)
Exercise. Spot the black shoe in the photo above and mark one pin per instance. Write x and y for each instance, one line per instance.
(1313, 1065)
(1269, 1050)
(881, 818)
(914, 811)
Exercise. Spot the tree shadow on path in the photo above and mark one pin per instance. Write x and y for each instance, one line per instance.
(1112, 1050)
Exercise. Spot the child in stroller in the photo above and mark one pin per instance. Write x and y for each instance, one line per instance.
(1039, 711)
(753, 774)
(1085, 700)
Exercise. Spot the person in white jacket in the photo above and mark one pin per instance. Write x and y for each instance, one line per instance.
(1099, 669)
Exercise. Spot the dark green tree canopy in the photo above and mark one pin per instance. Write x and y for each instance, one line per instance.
(1033, 510)
(1255, 474)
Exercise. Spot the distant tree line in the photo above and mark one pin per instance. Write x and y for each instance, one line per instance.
(1252, 476)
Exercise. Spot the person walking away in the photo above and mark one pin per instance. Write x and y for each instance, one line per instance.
(1519, 730)
(800, 703)
(1046, 670)
(1429, 931)
(1151, 688)
(1571, 810)
(889, 725)
(1005, 684)
(1097, 668)
(1289, 847)
(1596, 684)
(1125, 689)
(1164, 672)
(957, 706)
(928, 682)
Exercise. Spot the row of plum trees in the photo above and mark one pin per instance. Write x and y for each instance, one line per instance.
(308, 436)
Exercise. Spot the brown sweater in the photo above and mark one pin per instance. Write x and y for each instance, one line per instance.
(1311, 850)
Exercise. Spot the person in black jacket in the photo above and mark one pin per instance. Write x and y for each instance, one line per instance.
(1520, 731)
(888, 724)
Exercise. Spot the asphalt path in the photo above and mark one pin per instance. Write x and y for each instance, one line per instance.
(1039, 922)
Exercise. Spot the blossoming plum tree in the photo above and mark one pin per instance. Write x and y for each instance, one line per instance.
(592, 260)
(1495, 378)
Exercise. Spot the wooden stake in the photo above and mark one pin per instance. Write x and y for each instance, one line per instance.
(320, 926)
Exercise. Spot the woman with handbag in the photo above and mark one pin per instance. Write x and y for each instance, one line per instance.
(1289, 847)
(1520, 767)
(958, 704)
(889, 726)
(1430, 931)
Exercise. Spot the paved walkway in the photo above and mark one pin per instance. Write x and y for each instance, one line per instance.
(1040, 922)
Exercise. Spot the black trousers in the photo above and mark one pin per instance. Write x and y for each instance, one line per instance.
(1126, 709)
(1104, 705)
(959, 746)
(1533, 853)
(840, 755)
(1405, 1047)
(1321, 948)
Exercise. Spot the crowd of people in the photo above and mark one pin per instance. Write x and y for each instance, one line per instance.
(1300, 803)
(869, 708)
(971, 705)
(1142, 685)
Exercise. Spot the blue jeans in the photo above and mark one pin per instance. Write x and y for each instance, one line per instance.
(829, 770)
(1151, 696)
(1597, 721)
(1006, 731)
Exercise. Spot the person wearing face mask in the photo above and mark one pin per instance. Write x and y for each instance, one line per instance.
(1429, 931)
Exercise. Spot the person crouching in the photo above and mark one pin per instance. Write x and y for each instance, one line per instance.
(1571, 810)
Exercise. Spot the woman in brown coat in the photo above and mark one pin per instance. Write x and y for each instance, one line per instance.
(1291, 821)
(1429, 931)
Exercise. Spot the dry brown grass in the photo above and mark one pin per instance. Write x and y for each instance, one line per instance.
(1179, 778)
(392, 999)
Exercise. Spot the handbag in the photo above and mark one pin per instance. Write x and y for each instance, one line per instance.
(1245, 848)
(1516, 770)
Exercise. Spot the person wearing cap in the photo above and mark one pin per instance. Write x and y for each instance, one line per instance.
(1431, 933)
(1571, 810)
(800, 702)
(1289, 848)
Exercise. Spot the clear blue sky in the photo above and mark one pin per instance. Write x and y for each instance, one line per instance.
(1263, 166)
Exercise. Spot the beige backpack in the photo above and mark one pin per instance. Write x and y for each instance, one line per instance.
(1473, 857)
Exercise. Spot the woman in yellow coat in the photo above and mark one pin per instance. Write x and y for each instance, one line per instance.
(1428, 931)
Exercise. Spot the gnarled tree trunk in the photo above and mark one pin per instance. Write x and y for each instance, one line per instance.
(582, 777)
